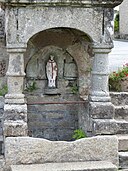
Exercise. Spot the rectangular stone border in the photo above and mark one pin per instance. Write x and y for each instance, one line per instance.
(27, 150)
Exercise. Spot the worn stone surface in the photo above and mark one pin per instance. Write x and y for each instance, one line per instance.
(26, 150)
(2, 164)
(123, 160)
(123, 18)
(123, 142)
(104, 126)
(15, 128)
(110, 126)
(51, 19)
(121, 112)
(56, 121)
(100, 73)
(119, 98)
(1, 102)
(72, 166)
(100, 110)
(71, 3)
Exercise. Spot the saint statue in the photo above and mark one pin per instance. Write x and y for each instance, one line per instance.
(51, 71)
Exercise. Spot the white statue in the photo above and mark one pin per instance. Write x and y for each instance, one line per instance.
(51, 71)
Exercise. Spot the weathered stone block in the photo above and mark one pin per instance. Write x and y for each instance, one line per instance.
(123, 160)
(122, 127)
(15, 128)
(121, 112)
(110, 126)
(2, 164)
(1, 102)
(123, 142)
(104, 126)
(26, 150)
(119, 98)
(15, 118)
(100, 110)
(70, 70)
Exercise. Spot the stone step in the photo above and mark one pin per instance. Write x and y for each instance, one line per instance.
(122, 126)
(119, 98)
(123, 160)
(121, 112)
(110, 126)
(123, 142)
(72, 166)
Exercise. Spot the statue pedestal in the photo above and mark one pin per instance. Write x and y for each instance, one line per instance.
(51, 91)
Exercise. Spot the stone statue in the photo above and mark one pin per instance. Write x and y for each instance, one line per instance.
(51, 71)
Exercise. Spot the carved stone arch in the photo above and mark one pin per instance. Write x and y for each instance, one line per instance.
(65, 42)
(38, 30)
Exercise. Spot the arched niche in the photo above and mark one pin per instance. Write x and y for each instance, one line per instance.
(72, 53)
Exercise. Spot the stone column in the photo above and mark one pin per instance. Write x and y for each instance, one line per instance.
(101, 108)
(100, 73)
(15, 108)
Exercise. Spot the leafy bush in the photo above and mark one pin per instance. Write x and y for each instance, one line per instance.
(3, 90)
(31, 87)
(78, 134)
(116, 77)
(74, 89)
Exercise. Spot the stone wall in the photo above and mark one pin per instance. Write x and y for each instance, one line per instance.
(123, 12)
(55, 121)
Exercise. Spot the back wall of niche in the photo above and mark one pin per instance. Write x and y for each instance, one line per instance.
(55, 112)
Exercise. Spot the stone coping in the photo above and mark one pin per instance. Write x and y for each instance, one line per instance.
(74, 3)
(28, 150)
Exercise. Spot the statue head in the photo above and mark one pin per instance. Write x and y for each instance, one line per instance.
(51, 57)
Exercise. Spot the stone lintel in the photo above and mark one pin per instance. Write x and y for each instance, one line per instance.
(73, 3)
(101, 49)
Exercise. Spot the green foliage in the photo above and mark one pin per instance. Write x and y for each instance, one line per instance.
(31, 87)
(116, 23)
(114, 85)
(78, 134)
(74, 89)
(116, 77)
(3, 90)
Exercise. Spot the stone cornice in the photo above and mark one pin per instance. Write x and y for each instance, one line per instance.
(73, 3)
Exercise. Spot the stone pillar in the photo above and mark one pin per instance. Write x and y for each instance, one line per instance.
(101, 109)
(100, 73)
(15, 108)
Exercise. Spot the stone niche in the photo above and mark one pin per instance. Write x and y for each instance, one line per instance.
(54, 113)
